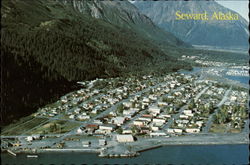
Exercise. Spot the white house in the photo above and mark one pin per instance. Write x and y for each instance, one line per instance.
(138, 122)
(144, 119)
(162, 103)
(178, 130)
(29, 138)
(184, 116)
(154, 109)
(118, 120)
(127, 131)
(79, 130)
(187, 112)
(154, 128)
(156, 120)
(157, 134)
(109, 127)
(192, 130)
(127, 104)
(146, 100)
(169, 130)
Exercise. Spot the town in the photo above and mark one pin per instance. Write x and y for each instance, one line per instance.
(113, 117)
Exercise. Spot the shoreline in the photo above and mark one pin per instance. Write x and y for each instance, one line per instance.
(146, 144)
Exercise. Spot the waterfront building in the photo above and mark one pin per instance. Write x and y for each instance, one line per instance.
(125, 138)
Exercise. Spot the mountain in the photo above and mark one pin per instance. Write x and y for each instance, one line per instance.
(49, 45)
(125, 15)
(212, 32)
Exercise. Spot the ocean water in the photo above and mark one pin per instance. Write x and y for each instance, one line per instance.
(241, 79)
(176, 155)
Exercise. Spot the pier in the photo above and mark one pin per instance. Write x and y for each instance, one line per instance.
(11, 152)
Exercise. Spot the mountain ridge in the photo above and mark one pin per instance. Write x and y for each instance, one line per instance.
(212, 33)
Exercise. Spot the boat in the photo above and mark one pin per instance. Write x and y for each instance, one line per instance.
(32, 156)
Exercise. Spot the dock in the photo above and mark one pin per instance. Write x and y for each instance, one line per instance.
(11, 152)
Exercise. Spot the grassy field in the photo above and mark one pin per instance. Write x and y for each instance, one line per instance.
(22, 127)
(55, 127)
(218, 128)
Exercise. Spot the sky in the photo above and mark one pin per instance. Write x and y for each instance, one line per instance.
(240, 6)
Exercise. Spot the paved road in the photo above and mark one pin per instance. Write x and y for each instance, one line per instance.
(211, 117)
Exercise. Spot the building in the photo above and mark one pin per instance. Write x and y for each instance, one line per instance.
(127, 131)
(157, 134)
(154, 110)
(144, 119)
(80, 130)
(118, 120)
(124, 138)
(29, 138)
(108, 127)
(138, 123)
(162, 103)
(192, 130)
(102, 142)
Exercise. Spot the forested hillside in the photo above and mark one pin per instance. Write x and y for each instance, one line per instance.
(47, 46)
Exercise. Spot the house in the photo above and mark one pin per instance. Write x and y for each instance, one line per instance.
(172, 85)
(83, 117)
(147, 115)
(169, 130)
(92, 127)
(154, 128)
(184, 116)
(154, 109)
(125, 138)
(145, 130)
(118, 120)
(192, 130)
(139, 123)
(97, 122)
(152, 97)
(144, 119)
(157, 120)
(199, 123)
(127, 131)
(146, 100)
(127, 104)
(176, 130)
(109, 127)
(157, 134)
(186, 112)
(165, 115)
(128, 112)
(29, 138)
(80, 130)
(162, 103)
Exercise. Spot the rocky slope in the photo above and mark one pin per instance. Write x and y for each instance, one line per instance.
(125, 15)
(220, 33)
